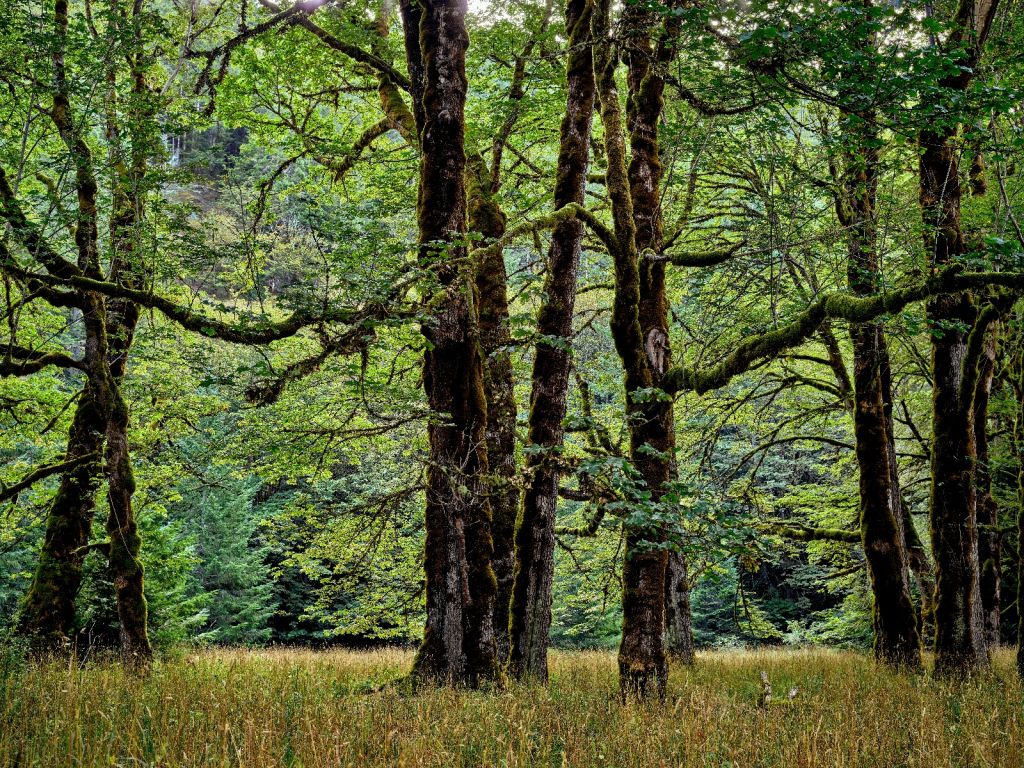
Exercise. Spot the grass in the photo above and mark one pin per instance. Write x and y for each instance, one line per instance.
(300, 708)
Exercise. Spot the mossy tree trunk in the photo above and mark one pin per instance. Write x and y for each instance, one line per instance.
(530, 611)
(48, 613)
(49, 609)
(989, 549)
(897, 638)
(678, 616)
(128, 161)
(647, 63)
(959, 631)
(487, 219)
(458, 643)
(643, 665)
(1016, 378)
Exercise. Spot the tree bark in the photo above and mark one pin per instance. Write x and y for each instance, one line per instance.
(896, 636)
(989, 550)
(458, 641)
(959, 631)
(1017, 382)
(959, 634)
(641, 340)
(486, 218)
(678, 619)
(48, 612)
(530, 610)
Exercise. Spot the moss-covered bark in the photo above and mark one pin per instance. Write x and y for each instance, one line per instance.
(530, 612)
(894, 619)
(678, 617)
(959, 633)
(487, 219)
(989, 548)
(458, 643)
(639, 325)
(48, 612)
(1017, 383)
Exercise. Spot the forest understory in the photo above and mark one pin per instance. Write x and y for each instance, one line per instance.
(281, 707)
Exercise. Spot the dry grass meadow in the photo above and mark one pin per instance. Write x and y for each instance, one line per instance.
(318, 709)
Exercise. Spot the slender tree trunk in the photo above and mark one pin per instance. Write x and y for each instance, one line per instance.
(458, 641)
(530, 610)
(989, 551)
(1017, 382)
(896, 637)
(486, 218)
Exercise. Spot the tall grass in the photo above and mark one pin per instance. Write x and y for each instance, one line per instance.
(299, 708)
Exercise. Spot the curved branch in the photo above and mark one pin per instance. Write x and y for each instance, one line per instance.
(21, 361)
(8, 492)
(833, 306)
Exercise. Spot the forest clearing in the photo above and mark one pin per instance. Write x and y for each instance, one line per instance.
(321, 710)
(651, 372)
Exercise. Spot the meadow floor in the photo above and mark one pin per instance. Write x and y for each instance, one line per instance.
(313, 709)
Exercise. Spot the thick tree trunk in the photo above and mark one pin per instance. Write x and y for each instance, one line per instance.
(530, 611)
(124, 542)
(48, 612)
(486, 218)
(989, 551)
(458, 642)
(678, 619)
(959, 632)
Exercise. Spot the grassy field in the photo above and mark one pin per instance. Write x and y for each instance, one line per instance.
(298, 708)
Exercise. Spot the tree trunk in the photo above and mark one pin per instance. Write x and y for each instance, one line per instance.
(486, 218)
(896, 637)
(640, 332)
(678, 621)
(1017, 382)
(125, 543)
(458, 640)
(959, 633)
(48, 612)
(894, 618)
(530, 611)
(989, 551)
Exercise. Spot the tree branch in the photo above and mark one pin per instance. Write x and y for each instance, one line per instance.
(834, 306)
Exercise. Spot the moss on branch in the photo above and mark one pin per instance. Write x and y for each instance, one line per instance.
(832, 306)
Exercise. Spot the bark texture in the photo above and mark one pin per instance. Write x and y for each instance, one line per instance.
(639, 331)
(48, 612)
(458, 643)
(959, 634)
(678, 617)
(989, 549)
(530, 612)
(487, 219)
(896, 635)
(959, 631)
